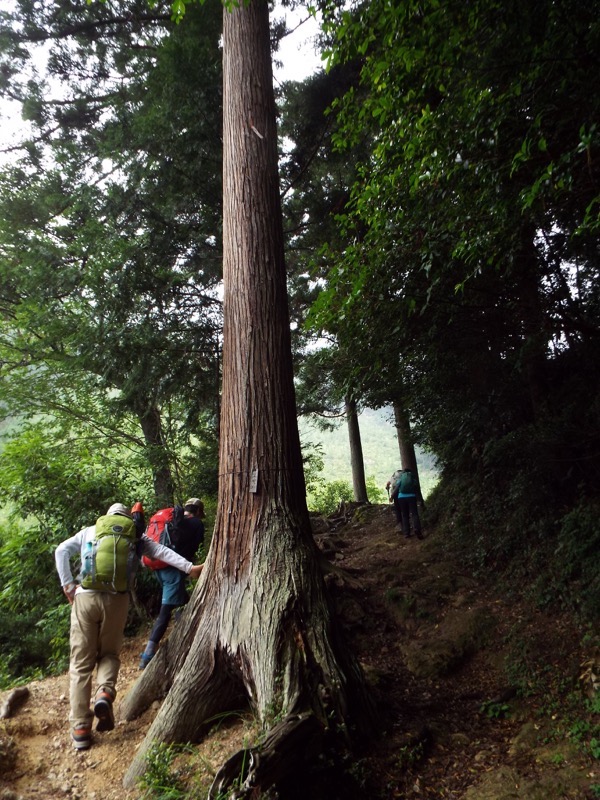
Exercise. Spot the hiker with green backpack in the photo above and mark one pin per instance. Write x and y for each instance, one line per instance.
(110, 551)
(403, 489)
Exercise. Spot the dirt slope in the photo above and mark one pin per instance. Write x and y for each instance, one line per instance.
(444, 655)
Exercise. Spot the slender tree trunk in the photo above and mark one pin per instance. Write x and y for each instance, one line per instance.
(259, 625)
(359, 484)
(151, 424)
(408, 456)
(536, 336)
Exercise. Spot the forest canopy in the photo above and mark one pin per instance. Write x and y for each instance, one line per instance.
(440, 188)
(471, 249)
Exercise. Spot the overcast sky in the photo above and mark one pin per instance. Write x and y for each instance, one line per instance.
(297, 50)
(296, 54)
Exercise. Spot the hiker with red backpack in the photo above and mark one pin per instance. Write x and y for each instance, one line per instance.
(183, 530)
(110, 551)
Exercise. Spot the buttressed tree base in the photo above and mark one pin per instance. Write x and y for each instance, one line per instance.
(259, 627)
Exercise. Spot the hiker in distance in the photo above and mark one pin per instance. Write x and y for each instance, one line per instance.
(109, 551)
(185, 536)
(403, 490)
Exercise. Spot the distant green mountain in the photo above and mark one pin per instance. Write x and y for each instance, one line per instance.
(380, 449)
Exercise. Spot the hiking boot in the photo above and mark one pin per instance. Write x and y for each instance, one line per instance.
(145, 659)
(103, 709)
(82, 738)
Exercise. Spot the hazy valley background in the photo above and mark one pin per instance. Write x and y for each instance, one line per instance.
(380, 450)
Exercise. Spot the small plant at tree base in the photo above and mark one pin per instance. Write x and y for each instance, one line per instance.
(359, 771)
(580, 730)
(403, 604)
(410, 754)
(159, 782)
(494, 710)
(595, 790)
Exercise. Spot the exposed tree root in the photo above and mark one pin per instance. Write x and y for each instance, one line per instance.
(14, 700)
(260, 642)
(290, 745)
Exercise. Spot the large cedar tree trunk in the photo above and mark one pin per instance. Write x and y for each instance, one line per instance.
(258, 626)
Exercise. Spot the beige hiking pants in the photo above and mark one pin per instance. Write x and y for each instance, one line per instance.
(97, 625)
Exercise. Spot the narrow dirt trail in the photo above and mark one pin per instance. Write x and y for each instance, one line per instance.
(437, 646)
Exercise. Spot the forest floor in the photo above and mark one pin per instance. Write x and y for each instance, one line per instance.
(479, 692)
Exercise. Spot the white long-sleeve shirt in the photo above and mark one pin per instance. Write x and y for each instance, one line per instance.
(77, 545)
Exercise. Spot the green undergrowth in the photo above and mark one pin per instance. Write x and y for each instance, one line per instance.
(534, 544)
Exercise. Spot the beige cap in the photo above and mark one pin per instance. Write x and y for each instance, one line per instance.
(119, 509)
(195, 501)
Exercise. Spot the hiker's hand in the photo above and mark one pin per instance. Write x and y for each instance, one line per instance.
(69, 591)
(196, 570)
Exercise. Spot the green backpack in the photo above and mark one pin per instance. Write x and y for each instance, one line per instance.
(408, 483)
(110, 559)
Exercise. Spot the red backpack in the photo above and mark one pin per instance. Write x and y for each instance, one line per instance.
(162, 528)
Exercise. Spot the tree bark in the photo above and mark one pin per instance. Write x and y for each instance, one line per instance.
(408, 456)
(150, 421)
(357, 463)
(259, 625)
(535, 334)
